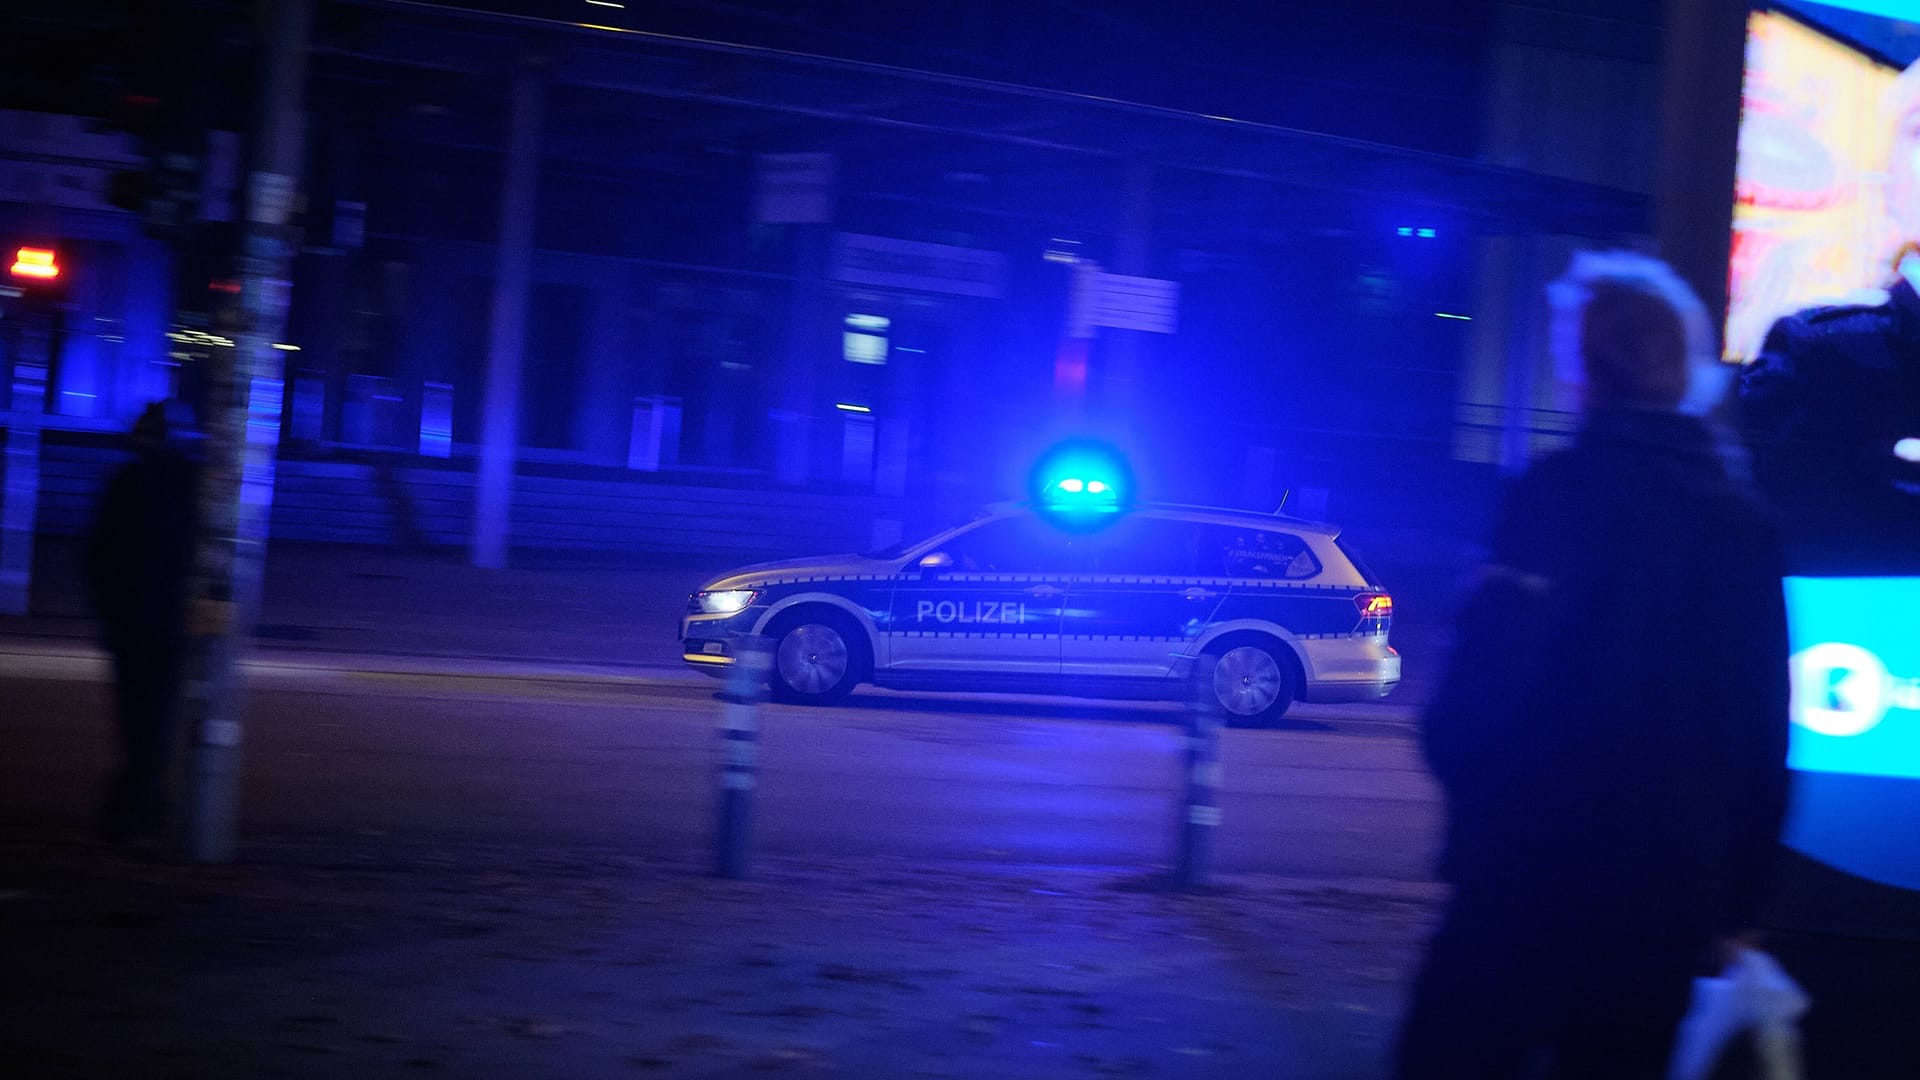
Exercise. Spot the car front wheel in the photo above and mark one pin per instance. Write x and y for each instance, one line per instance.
(817, 659)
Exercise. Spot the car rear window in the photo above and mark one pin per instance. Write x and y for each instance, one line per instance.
(1366, 572)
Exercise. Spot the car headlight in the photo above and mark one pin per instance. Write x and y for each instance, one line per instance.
(724, 601)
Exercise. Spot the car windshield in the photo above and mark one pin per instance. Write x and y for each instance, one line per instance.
(901, 547)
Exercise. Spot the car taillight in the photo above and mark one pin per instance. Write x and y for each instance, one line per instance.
(1374, 605)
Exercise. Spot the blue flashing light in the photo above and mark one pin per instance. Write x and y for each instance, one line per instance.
(1426, 234)
(1081, 485)
(1406, 230)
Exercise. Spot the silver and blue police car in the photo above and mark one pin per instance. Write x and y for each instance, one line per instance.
(1014, 602)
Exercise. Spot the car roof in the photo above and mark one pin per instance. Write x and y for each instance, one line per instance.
(1214, 515)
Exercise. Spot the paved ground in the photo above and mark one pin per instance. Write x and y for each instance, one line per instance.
(326, 955)
(373, 959)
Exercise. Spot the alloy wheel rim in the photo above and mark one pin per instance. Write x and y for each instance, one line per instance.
(1247, 680)
(813, 658)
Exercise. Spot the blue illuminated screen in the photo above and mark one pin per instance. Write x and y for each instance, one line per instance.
(1855, 646)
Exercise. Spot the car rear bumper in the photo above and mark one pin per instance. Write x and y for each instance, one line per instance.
(1352, 669)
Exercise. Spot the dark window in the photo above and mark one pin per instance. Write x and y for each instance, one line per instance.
(550, 389)
(1230, 551)
(713, 344)
(1151, 547)
(1015, 545)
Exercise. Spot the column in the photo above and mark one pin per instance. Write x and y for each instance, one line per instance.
(500, 419)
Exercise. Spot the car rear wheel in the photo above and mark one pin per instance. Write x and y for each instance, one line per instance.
(818, 658)
(1253, 683)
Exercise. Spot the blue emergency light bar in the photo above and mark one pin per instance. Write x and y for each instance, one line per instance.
(1080, 484)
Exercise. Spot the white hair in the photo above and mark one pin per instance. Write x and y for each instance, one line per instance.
(1649, 279)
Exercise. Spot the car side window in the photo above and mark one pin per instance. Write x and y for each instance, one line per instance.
(1013, 545)
(1144, 546)
(1230, 551)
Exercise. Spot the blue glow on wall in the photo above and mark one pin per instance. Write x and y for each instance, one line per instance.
(436, 419)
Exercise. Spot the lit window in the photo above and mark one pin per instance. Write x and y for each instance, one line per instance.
(865, 339)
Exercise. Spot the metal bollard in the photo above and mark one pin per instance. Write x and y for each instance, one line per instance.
(740, 751)
(1200, 809)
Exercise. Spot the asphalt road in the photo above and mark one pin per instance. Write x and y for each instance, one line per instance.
(340, 745)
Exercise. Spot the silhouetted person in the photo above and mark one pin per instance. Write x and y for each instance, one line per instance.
(1611, 734)
(138, 561)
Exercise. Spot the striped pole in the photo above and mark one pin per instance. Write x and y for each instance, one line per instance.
(740, 751)
(1200, 804)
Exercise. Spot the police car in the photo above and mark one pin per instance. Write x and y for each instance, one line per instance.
(1014, 602)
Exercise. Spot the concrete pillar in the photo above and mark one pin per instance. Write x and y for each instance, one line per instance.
(1700, 75)
(500, 419)
(795, 418)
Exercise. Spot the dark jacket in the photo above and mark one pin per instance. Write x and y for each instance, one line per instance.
(1612, 731)
(1832, 391)
(139, 558)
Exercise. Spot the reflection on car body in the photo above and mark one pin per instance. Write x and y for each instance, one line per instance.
(1010, 602)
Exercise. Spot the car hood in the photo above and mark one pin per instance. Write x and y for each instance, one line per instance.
(746, 577)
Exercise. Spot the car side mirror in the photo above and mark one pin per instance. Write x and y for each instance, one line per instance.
(936, 562)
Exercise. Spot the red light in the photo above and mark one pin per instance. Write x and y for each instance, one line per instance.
(1374, 605)
(35, 263)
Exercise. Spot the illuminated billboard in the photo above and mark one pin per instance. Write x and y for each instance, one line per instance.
(1827, 211)
(1828, 182)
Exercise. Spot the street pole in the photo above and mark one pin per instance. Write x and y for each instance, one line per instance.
(243, 439)
(740, 753)
(1200, 801)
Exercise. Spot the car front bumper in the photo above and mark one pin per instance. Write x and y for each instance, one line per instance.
(706, 641)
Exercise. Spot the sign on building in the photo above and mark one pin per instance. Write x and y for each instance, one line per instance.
(1121, 301)
(910, 264)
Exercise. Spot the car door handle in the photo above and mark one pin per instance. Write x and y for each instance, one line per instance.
(1197, 594)
(1045, 592)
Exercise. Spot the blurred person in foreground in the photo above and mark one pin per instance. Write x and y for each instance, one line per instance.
(1611, 735)
(1832, 401)
(139, 559)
